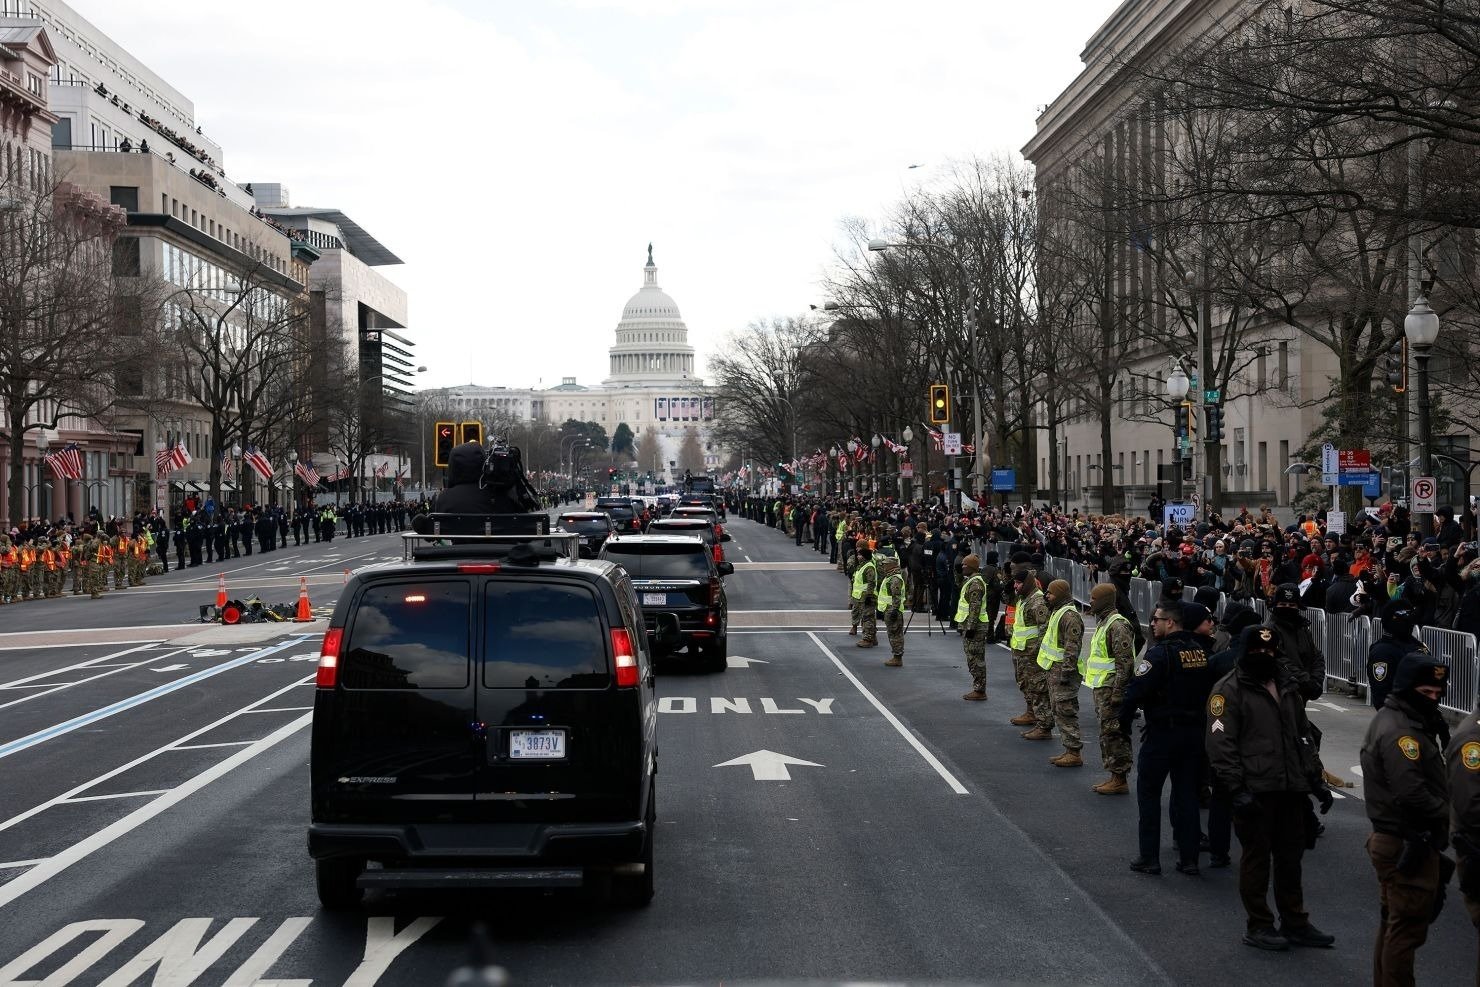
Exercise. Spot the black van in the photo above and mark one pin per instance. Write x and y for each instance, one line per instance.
(485, 717)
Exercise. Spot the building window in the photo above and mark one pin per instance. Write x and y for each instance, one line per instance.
(126, 257)
(126, 196)
(1284, 366)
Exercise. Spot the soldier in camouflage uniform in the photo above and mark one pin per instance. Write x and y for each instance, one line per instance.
(122, 549)
(891, 597)
(138, 560)
(1058, 659)
(95, 566)
(970, 607)
(39, 568)
(1027, 632)
(9, 569)
(1107, 669)
(79, 549)
(56, 572)
(866, 596)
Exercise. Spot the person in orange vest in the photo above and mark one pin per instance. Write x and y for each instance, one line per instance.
(138, 563)
(100, 561)
(27, 558)
(9, 563)
(47, 570)
(64, 566)
(122, 548)
(38, 568)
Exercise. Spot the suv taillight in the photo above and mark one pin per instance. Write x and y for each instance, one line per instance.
(329, 659)
(719, 532)
(714, 586)
(625, 658)
(719, 553)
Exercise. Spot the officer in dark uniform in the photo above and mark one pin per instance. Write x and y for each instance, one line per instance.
(1463, 761)
(1300, 656)
(266, 530)
(232, 542)
(280, 517)
(210, 528)
(1408, 806)
(1171, 684)
(179, 539)
(1399, 618)
(244, 529)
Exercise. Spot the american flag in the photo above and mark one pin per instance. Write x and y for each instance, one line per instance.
(860, 454)
(180, 456)
(337, 475)
(260, 464)
(937, 440)
(307, 473)
(228, 467)
(380, 470)
(843, 461)
(164, 462)
(401, 471)
(66, 464)
(895, 447)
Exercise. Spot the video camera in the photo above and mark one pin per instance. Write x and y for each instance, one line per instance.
(504, 478)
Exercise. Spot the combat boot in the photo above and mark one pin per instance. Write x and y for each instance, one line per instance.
(895, 662)
(867, 644)
(1023, 720)
(1114, 785)
(975, 696)
(1068, 759)
(1038, 733)
(853, 631)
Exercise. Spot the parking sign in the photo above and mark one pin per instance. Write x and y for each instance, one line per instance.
(1425, 495)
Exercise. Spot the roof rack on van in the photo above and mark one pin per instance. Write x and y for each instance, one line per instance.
(444, 536)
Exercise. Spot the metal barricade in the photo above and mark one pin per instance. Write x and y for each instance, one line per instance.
(1345, 645)
(1456, 649)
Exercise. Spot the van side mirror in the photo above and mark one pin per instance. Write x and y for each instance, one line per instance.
(726, 537)
(665, 636)
(727, 568)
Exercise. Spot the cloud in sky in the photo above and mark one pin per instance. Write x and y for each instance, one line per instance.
(519, 156)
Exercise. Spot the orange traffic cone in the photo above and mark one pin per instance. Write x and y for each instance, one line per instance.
(305, 612)
(220, 591)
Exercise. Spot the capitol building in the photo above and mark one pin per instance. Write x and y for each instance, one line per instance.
(651, 385)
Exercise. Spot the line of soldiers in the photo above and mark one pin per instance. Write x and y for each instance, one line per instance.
(39, 568)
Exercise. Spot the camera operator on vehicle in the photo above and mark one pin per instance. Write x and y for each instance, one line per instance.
(485, 481)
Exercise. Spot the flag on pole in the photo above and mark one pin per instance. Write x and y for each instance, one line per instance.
(307, 474)
(260, 464)
(937, 440)
(228, 467)
(164, 463)
(180, 456)
(66, 464)
(401, 471)
(380, 470)
(895, 447)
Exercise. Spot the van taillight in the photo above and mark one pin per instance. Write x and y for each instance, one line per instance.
(478, 568)
(329, 659)
(626, 660)
(714, 585)
(719, 532)
(719, 553)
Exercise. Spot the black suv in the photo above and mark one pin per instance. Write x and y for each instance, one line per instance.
(594, 527)
(625, 517)
(484, 717)
(676, 574)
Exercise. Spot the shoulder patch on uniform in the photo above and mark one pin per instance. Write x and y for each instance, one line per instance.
(1469, 756)
(1143, 667)
(1379, 671)
(1215, 705)
(1409, 747)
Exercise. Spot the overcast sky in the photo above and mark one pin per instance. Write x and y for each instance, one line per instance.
(519, 156)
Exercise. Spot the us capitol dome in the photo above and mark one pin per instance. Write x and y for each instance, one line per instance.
(652, 347)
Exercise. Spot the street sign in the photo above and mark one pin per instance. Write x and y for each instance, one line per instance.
(1425, 495)
(1212, 396)
(1330, 465)
(907, 470)
(1354, 460)
(1372, 488)
(1335, 522)
(1181, 515)
(1004, 480)
(951, 443)
(1361, 478)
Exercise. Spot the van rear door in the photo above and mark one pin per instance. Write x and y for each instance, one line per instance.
(396, 738)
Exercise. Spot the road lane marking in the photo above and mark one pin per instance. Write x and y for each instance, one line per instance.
(281, 709)
(59, 729)
(768, 765)
(114, 795)
(201, 747)
(59, 686)
(92, 663)
(52, 866)
(909, 737)
(18, 864)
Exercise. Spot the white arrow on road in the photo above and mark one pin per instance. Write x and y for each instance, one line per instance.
(768, 765)
(170, 668)
(735, 661)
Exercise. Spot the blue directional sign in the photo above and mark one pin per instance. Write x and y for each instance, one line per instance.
(1369, 480)
(1004, 481)
(1372, 489)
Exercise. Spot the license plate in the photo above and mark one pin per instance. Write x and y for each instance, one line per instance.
(536, 744)
(654, 599)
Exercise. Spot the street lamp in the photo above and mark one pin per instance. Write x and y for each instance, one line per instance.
(833, 458)
(1177, 384)
(876, 441)
(1422, 329)
(43, 484)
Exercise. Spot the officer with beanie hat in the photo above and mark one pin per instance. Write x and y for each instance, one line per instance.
(1399, 618)
(1300, 656)
(971, 617)
(1056, 674)
(1408, 806)
(1463, 762)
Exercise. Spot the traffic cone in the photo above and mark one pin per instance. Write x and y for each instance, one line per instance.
(220, 591)
(305, 612)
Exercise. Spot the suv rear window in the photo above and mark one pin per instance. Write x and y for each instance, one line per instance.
(586, 525)
(409, 636)
(657, 561)
(541, 635)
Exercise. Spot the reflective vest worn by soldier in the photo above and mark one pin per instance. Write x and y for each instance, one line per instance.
(965, 604)
(1098, 668)
(891, 605)
(1025, 634)
(1049, 651)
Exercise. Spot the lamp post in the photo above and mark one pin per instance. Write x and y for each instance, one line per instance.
(1422, 329)
(832, 459)
(969, 324)
(907, 483)
(42, 483)
(794, 424)
(1177, 390)
(876, 441)
(852, 461)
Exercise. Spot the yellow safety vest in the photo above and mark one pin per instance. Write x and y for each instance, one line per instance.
(1049, 650)
(841, 531)
(1024, 633)
(963, 607)
(887, 589)
(1100, 667)
(858, 579)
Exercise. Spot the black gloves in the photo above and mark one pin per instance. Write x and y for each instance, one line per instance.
(1325, 798)
(1245, 805)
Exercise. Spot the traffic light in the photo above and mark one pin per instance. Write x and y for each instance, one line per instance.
(1214, 414)
(940, 404)
(445, 434)
(472, 432)
(1191, 410)
(1395, 366)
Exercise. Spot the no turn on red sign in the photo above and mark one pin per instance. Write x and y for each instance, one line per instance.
(1425, 495)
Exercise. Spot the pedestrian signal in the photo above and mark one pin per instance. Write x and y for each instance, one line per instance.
(940, 404)
(472, 432)
(444, 433)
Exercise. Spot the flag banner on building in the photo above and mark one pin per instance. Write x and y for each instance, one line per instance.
(380, 470)
(895, 447)
(401, 471)
(306, 473)
(661, 408)
(66, 464)
(709, 409)
(260, 464)
(180, 456)
(228, 467)
(843, 462)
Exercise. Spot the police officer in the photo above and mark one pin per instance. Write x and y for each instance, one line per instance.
(1058, 670)
(1260, 750)
(1171, 684)
(891, 606)
(1106, 670)
(1407, 804)
(1399, 618)
(865, 596)
(1463, 761)
(1031, 613)
(1300, 656)
(992, 573)
(971, 617)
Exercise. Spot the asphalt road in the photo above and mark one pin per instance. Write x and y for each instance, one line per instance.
(153, 803)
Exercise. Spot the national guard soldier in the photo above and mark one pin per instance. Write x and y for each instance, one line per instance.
(102, 560)
(42, 562)
(138, 563)
(25, 559)
(1058, 667)
(971, 608)
(78, 552)
(1030, 615)
(865, 596)
(1171, 684)
(9, 563)
(122, 546)
(64, 563)
(1407, 804)
(1399, 618)
(1262, 756)
(1106, 670)
(891, 606)
(1463, 761)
